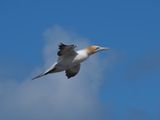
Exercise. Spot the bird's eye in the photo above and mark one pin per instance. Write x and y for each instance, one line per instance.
(97, 48)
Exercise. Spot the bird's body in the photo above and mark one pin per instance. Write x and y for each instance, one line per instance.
(69, 60)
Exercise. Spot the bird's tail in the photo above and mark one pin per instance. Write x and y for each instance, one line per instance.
(48, 71)
(41, 75)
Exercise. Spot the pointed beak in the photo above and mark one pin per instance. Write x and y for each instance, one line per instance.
(103, 48)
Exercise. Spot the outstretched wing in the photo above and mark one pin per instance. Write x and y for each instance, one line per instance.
(66, 49)
(72, 71)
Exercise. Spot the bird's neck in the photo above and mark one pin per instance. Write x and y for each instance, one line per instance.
(84, 52)
(82, 55)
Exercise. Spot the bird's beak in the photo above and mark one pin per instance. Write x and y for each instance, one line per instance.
(103, 48)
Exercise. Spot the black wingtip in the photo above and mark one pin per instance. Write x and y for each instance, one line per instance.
(69, 76)
(61, 45)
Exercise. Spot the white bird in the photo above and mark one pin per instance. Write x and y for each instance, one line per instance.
(69, 60)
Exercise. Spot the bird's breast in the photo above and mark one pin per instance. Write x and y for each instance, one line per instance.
(81, 56)
(71, 61)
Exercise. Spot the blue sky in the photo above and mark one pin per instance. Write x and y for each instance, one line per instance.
(130, 28)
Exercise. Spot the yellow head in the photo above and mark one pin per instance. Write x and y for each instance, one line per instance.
(93, 49)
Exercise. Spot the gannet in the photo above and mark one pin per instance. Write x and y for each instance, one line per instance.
(69, 60)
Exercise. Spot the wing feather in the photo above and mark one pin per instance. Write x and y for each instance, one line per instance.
(66, 49)
(72, 71)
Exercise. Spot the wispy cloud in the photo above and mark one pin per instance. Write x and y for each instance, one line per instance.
(54, 97)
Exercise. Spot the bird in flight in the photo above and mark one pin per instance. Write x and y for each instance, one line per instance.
(69, 60)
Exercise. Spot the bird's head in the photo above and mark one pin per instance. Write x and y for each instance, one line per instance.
(94, 49)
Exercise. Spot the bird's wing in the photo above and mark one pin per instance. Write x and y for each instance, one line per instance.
(72, 71)
(50, 70)
(66, 50)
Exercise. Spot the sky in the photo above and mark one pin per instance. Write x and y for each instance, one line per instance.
(119, 84)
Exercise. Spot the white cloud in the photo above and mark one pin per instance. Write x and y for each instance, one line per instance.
(54, 97)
